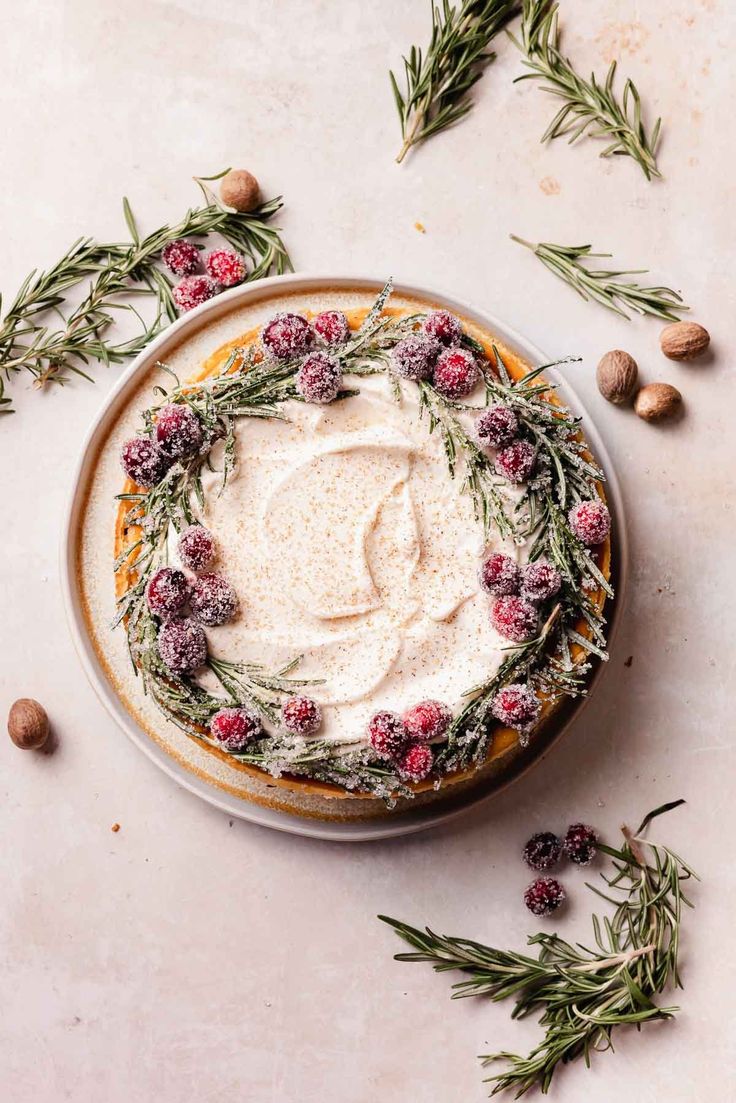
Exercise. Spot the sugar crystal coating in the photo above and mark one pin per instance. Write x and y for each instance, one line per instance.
(544, 896)
(143, 461)
(416, 763)
(193, 291)
(196, 547)
(516, 461)
(287, 335)
(514, 618)
(167, 592)
(319, 378)
(543, 851)
(301, 715)
(516, 706)
(182, 645)
(413, 357)
(387, 734)
(426, 721)
(443, 326)
(590, 521)
(213, 600)
(226, 267)
(181, 257)
(580, 844)
(456, 373)
(235, 728)
(178, 430)
(331, 326)
(540, 581)
(497, 426)
(499, 575)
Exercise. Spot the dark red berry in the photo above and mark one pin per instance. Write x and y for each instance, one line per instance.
(516, 706)
(496, 427)
(514, 618)
(143, 461)
(193, 291)
(413, 357)
(387, 734)
(456, 373)
(213, 600)
(196, 547)
(416, 763)
(167, 592)
(540, 581)
(543, 851)
(516, 461)
(235, 728)
(499, 575)
(443, 326)
(590, 521)
(331, 326)
(178, 431)
(580, 844)
(287, 335)
(319, 378)
(301, 715)
(544, 896)
(182, 645)
(427, 721)
(225, 266)
(181, 257)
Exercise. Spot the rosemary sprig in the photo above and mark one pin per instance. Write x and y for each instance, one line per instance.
(603, 285)
(583, 994)
(438, 82)
(589, 108)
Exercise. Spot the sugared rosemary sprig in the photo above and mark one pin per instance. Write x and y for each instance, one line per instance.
(603, 285)
(437, 82)
(583, 994)
(589, 107)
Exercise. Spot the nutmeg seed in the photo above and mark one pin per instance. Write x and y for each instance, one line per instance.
(240, 189)
(684, 340)
(28, 724)
(657, 401)
(616, 374)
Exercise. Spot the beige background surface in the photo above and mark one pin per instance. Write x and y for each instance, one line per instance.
(190, 957)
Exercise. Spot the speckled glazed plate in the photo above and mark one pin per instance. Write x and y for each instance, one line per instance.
(216, 311)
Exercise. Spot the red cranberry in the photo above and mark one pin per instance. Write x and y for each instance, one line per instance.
(167, 592)
(387, 734)
(544, 896)
(456, 373)
(416, 763)
(513, 618)
(213, 600)
(590, 521)
(319, 378)
(181, 257)
(301, 715)
(580, 844)
(413, 357)
(496, 427)
(182, 645)
(443, 326)
(516, 706)
(143, 461)
(516, 461)
(499, 575)
(235, 728)
(196, 547)
(331, 326)
(226, 267)
(543, 851)
(540, 581)
(178, 431)
(287, 335)
(193, 291)
(427, 721)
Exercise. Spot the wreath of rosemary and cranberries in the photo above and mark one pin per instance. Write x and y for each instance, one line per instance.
(520, 438)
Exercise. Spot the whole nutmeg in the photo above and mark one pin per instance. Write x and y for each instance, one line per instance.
(616, 374)
(657, 401)
(28, 724)
(240, 189)
(684, 340)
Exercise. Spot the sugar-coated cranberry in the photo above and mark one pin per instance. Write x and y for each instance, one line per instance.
(590, 521)
(499, 575)
(226, 267)
(416, 763)
(178, 430)
(443, 326)
(193, 291)
(167, 592)
(387, 734)
(456, 373)
(213, 600)
(196, 547)
(331, 326)
(287, 335)
(514, 618)
(580, 844)
(516, 706)
(540, 581)
(181, 257)
(544, 896)
(182, 645)
(427, 721)
(516, 461)
(235, 728)
(496, 427)
(143, 461)
(319, 378)
(413, 357)
(543, 851)
(301, 715)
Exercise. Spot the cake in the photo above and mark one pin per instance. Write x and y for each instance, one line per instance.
(357, 557)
